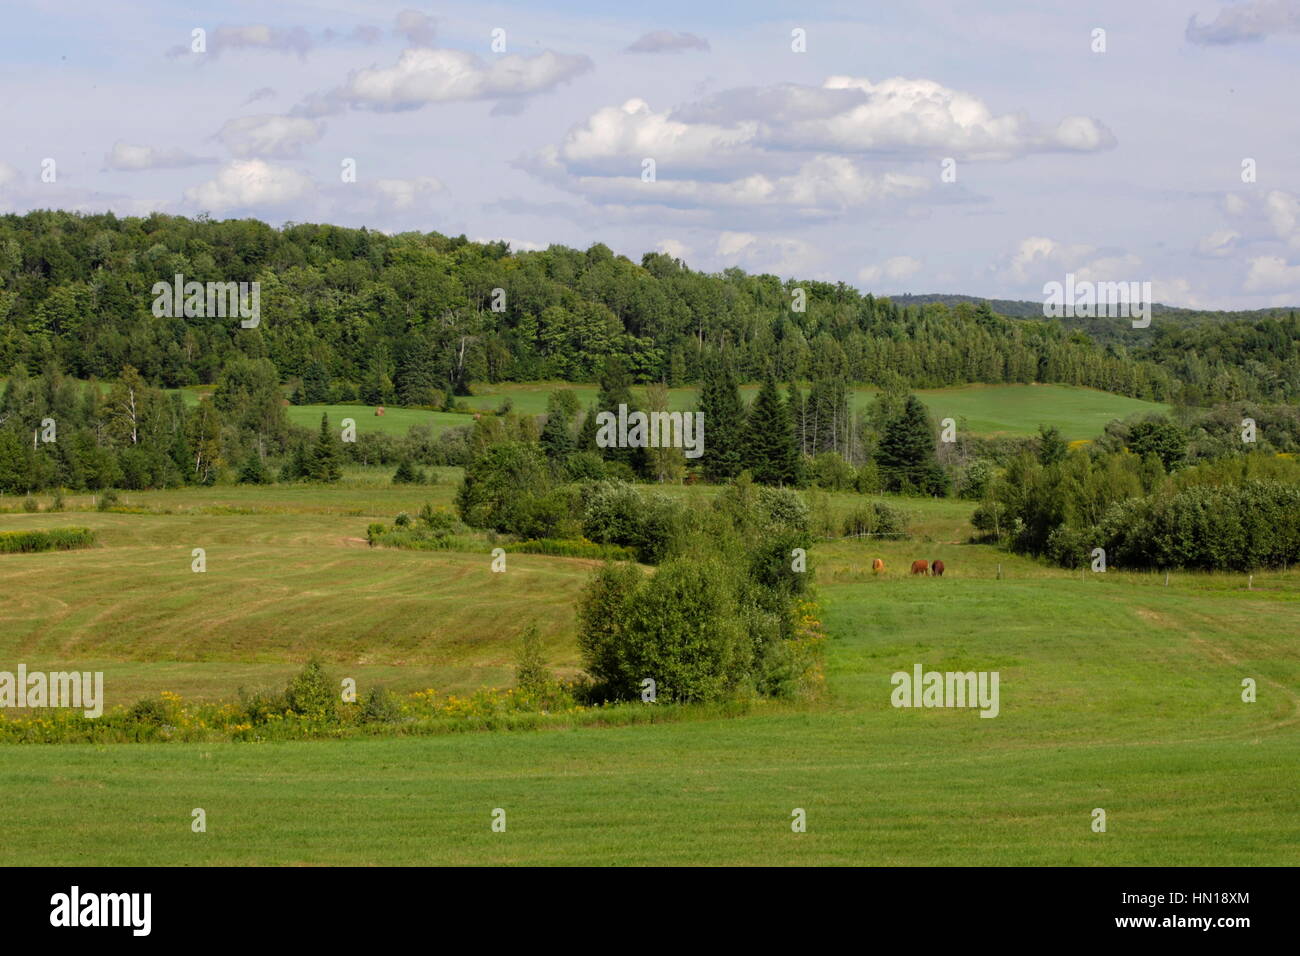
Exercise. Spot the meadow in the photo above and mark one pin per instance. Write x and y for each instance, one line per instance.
(985, 410)
(1117, 691)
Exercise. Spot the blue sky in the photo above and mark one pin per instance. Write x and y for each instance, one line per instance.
(1122, 165)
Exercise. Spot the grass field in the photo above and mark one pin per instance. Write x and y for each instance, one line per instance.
(1117, 692)
(977, 409)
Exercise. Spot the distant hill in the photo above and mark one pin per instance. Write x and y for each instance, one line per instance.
(1029, 309)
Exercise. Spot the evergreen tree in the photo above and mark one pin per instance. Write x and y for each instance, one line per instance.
(407, 474)
(724, 422)
(557, 434)
(323, 465)
(905, 455)
(316, 385)
(769, 438)
(1051, 446)
(254, 470)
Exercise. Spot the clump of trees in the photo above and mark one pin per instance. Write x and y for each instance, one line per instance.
(1148, 510)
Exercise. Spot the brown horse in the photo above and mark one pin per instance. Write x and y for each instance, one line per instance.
(920, 567)
(937, 569)
(877, 566)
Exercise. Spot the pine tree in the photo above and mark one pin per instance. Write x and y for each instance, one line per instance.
(316, 385)
(767, 436)
(905, 455)
(323, 464)
(724, 422)
(254, 470)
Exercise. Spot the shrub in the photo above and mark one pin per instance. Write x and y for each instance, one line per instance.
(531, 674)
(311, 693)
(874, 519)
(380, 707)
(680, 627)
(31, 505)
(107, 500)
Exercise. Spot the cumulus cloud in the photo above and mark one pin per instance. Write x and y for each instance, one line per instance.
(897, 115)
(124, 157)
(269, 135)
(255, 36)
(665, 41)
(1218, 244)
(1272, 217)
(418, 28)
(1244, 22)
(398, 195)
(775, 254)
(1273, 274)
(673, 247)
(422, 76)
(250, 183)
(894, 269)
(1038, 258)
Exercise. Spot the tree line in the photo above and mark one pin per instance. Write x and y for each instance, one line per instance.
(417, 318)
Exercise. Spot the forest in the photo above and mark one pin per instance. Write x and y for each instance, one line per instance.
(417, 318)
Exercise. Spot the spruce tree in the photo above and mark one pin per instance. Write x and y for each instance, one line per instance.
(724, 422)
(324, 462)
(767, 437)
(905, 455)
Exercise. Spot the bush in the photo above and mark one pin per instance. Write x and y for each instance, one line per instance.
(617, 513)
(531, 674)
(680, 628)
(30, 505)
(107, 500)
(380, 707)
(438, 522)
(311, 693)
(874, 519)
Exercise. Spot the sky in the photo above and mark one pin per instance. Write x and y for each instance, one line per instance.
(984, 148)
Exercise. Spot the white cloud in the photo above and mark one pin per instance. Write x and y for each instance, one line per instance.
(756, 253)
(1038, 258)
(7, 174)
(125, 157)
(674, 248)
(270, 135)
(917, 117)
(1273, 274)
(248, 183)
(422, 76)
(894, 269)
(1218, 244)
(402, 194)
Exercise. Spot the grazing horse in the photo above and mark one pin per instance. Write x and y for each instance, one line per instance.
(937, 569)
(920, 567)
(877, 566)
